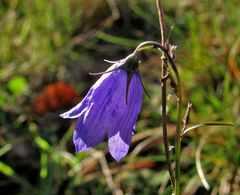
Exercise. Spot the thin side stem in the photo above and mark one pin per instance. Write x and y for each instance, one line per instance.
(164, 89)
(178, 145)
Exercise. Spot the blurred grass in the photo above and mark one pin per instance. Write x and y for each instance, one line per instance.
(45, 41)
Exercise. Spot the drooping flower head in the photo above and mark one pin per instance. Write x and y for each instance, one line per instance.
(110, 109)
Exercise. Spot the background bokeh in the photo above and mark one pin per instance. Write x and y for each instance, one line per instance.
(47, 49)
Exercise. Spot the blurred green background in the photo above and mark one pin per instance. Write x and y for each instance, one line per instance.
(47, 49)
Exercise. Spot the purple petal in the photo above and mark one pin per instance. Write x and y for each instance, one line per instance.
(99, 89)
(124, 117)
(75, 111)
(89, 130)
(104, 112)
(93, 122)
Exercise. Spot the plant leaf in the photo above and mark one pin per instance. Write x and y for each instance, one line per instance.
(199, 166)
(206, 124)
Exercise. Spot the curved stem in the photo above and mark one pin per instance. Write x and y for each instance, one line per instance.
(155, 45)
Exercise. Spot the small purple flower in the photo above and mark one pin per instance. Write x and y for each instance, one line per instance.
(110, 109)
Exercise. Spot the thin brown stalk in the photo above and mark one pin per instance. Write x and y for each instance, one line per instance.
(165, 44)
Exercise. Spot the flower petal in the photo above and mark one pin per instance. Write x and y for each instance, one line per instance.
(75, 111)
(104, 111)
(119, 136)
(93, 120)
(99, 90)
(89, 130)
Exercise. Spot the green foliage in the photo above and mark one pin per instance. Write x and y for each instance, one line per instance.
(6, 170)
(17, 85)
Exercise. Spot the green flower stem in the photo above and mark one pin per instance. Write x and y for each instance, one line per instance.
(148, 45)
(178, 146)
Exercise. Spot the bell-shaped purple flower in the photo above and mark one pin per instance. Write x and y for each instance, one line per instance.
(109, 110)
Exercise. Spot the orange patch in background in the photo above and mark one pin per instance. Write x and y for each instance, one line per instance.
(53, 97)
(143, 165)
(233, 68)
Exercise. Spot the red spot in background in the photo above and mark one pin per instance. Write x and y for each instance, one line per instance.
(143, 165)
(54, 96)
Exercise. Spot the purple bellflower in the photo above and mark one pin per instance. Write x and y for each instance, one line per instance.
(110, 109)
